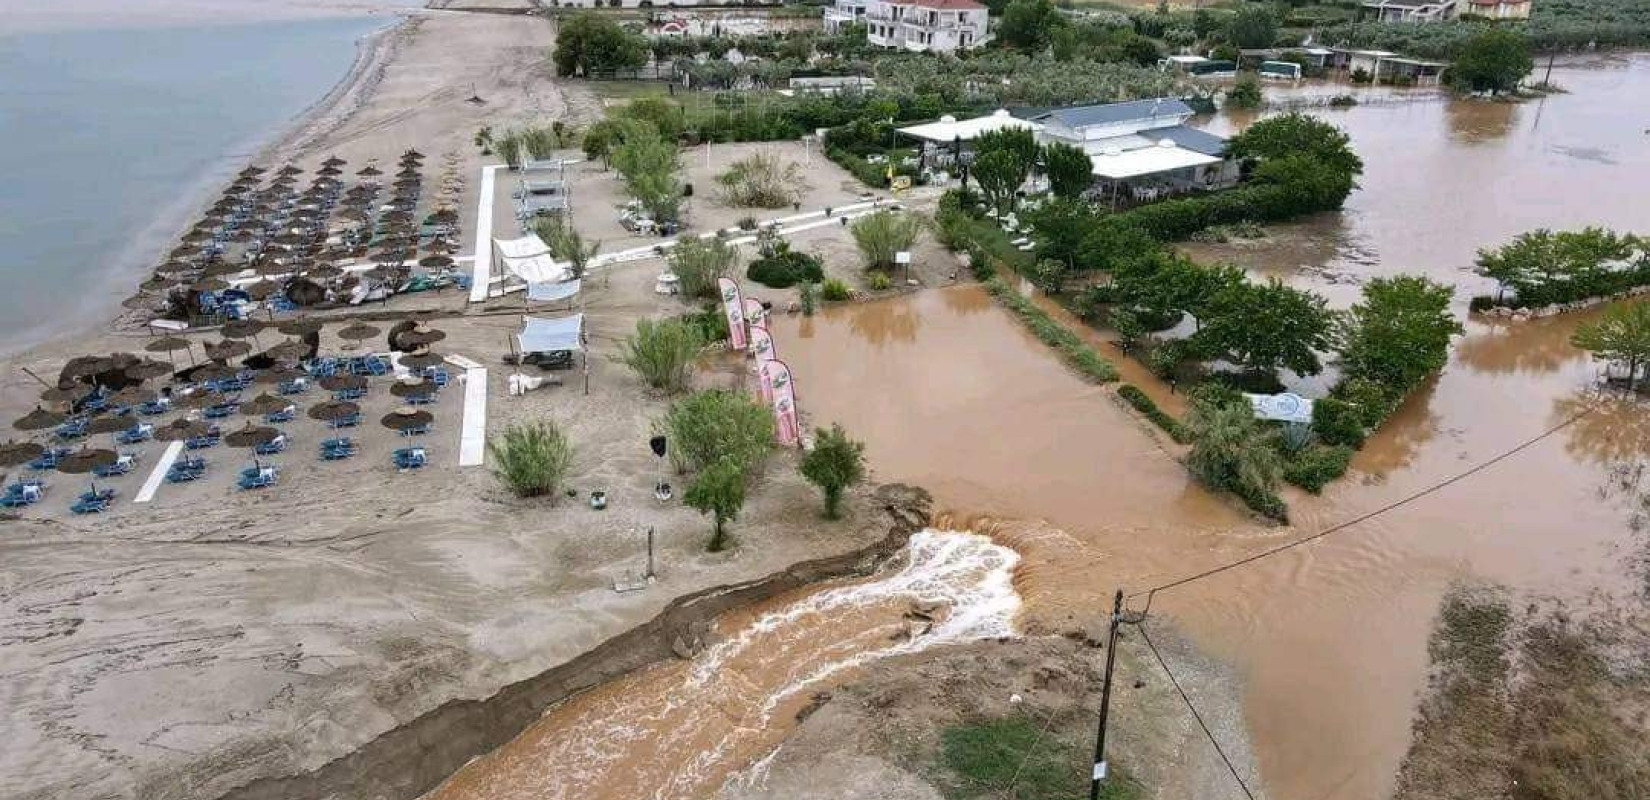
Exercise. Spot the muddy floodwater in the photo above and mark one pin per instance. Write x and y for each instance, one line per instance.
(951, 394)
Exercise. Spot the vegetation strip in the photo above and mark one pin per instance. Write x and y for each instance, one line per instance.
(1077, 353)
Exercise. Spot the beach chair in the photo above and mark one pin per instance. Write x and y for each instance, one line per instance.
(369, 366)
(97, 401)
(140, 432)
(421, 399)
(337, 449)
(419, 430)
(220, 411)
(48, 460)
(157, 406)
(23, 493)
(122, 465)
(349, 395)
(90, 505)
(210, 438)
(323, 367)
(186, 469)
(257, 478)
(280, 304)
(284, 415)
(272, 447)
(101, 494)
(346, 422)
(409, 458)
(437, 376)
(71, 430)
(295, 386)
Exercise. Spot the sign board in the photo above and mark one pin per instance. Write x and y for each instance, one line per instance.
(902, 257)
(900, 183)
(1286, 407)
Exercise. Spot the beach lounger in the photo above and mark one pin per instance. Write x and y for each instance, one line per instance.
(294, 387)
(272, 447)
(323, 367)
(95, 402)
(122, 465)
(101, 494)
(23, 493)
(421, 399)
(284, 415)
(48, 460)
(419, 430)
(349, 395)
(257, 478)
(369, 366)
(186, 470)
(338, 449)
(159, 405)
(408, 458)
(220, 411)
(90, 505)
(437, 376)
(346, 422)
(72, 430)
(141, 432)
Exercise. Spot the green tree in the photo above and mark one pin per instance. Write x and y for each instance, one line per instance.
(698, 262)
(717, 425)
(1029, 24)
(1246, 93)
(1544, 266)
(1070, 170)
(661, 353)
(649, 166)
(664, 115)
(718, 490)
(589, 42)
(883, 234)
(1265, 326)
(1002, 161)
(566, 243)
(605, 136)
(1493, 60)
(531, 458)
(835, 463)
(1621, 335)
(1251, 27)
(1296, 134)
(1400, 333)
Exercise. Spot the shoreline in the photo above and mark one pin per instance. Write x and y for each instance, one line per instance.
(374, 52)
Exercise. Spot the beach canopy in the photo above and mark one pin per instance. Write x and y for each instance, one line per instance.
(84, 460)
(528, 258)
(251, 436)
(265, 403)
(541, 335)
(332, 410)
(551, 292)
(949, 129)
(343, 382)
(180, 429)
(421, 360)
(14, 453)
(413, 387)
(37, 420)
(66, 394)
(406, 418)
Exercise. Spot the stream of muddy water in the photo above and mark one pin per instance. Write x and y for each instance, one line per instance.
(953, 395)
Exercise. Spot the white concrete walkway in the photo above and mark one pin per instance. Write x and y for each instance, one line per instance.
(158, 475)
(481, 274)
(472, 437)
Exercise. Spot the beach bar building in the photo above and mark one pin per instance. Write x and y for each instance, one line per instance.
(943, 143)
(1142, 149)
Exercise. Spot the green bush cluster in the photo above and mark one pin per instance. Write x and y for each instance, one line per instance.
(785, 268)
(834, 290)
(531, 458)
(1142, 403)
(1316, 466)
(1544, 267)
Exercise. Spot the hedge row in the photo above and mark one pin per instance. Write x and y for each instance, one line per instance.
(1143, 404)
(1077, 353)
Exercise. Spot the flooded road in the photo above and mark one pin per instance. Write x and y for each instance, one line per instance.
(951, 394)
(679, 729)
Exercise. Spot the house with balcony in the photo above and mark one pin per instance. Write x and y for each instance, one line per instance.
(1408, 10)
(1498, 9)
(922, 26)
(843, 13)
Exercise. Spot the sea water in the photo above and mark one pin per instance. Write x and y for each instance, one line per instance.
(110, 139)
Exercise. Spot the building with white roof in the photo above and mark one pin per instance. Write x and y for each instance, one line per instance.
(920, 26)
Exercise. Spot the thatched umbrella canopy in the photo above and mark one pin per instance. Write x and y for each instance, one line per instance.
(133, 396)
(148, 368)
(156, 285)
(14, 453)
(435, 261)
(405, 418)
(38, 420)
(84, 366)
(329, 171)
(444, 215)
(369, 171)
(338, 383)
(196, 237)
(289, 169)
(358, 331)
(325, 272)
(420, 335)
(289, 350)
(413, 387)
(333, 410)
(265, 403)
(209, 284)
(215, 371)
(84, 461)
(71, 393)
(263, 290)
(252, 172)
(423, 359)
(333, 161)
(180, 429)
(301, 326)
(279, 374)
(198, 399)
(169, 344)
(242, 329)
(225, 350)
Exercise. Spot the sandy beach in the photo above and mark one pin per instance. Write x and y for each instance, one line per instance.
(184, 647)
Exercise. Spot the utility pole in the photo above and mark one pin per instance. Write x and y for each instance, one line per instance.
(1547, 80)
(1099, 774)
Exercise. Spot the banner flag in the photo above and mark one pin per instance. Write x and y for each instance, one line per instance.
(733, 305)
(784, 402)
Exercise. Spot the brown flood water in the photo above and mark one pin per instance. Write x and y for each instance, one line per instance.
(952, 394)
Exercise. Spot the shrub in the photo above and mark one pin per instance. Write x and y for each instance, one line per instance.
(835, 463)
(718, 425)
(834, 290)
(761, 181)
(1142, 403)
(661, 353)
(785, 268)
(710, 323)
(1337, 423)
(1232, 451)
(1373, 402)
(1077, 353)
(1315, 467)
(880, 282)
(531, 458)
(698, 263)
(882, 234)
(720, 492)
(807, 296)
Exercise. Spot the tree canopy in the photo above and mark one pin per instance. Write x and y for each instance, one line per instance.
(1620, 335)
(589, 42)
(835, 463)
(1494, 61)
(1070, 170)
(1029, 24)
(1294, 134)
(1400, 333)
(1252, 26)
(1265, 326)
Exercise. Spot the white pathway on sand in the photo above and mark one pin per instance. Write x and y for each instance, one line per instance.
(481, 275)
(158, 476)
(472, 438)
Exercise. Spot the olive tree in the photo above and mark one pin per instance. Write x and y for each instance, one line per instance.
(835, 463)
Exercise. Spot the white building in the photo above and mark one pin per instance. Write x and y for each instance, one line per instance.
(844, 12)
(1410, 10)
(922, 26)
(1142, 146)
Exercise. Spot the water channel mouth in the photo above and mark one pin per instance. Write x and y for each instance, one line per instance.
(681, 728)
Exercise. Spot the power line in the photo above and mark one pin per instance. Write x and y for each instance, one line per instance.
(1525, 445)
(1195, 715)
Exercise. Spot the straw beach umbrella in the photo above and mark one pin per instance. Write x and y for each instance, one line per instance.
(406, 418)
(413, 387)
(181, 429)
(38, 420)
(421, 335)
(250, 437)
(339, 383)
(14, 453)
(168, 344)
(132, 396)
(215, 371)
(358, 332)
(86, 366)
(66, 394)
(289, 350)
(109, 425)
(332, 410)
(265, 403)
(279, 374)
(84, 461)
(227, 349)
(198, 399)
(148, 368)
(298, 327)
(420, 360)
